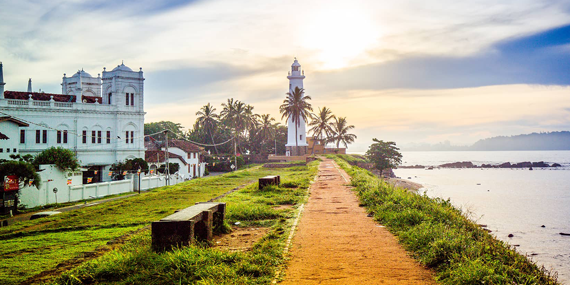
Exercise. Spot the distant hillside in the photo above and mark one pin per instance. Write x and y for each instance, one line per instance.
(534, 141)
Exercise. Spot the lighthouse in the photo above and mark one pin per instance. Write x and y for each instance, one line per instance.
(296, 144)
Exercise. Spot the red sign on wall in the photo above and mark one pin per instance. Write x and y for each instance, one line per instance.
(11, 183)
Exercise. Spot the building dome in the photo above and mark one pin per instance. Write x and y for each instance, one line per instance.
(296, 63)
(83, 74)
(122, 67)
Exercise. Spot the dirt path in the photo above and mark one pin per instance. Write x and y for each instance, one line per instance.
(337, 243)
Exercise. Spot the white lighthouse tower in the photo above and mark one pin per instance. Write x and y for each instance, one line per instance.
(296, 144)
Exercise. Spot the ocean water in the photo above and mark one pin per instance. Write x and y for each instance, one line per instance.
(508, 201)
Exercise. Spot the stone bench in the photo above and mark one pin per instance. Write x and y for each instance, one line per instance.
(269, 180)
(183, 227)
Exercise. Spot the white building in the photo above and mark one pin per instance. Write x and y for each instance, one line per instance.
(187, 155)
(100, 118)
(9, 136)
(296, 144)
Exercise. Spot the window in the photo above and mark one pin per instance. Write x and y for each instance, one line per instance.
(7, 149)
(108, 136)
(58, 136)
(37, 136)
(295, 68)
(15, 150)
(132, 136)
(84, 136)
(22, 136)
(132, 99)
(1, 150)
(98, 136)
(93, 136)
(127, 135)
(110, 98)
(44, 136)
(127, 99)
(65, 136)
(300, 137)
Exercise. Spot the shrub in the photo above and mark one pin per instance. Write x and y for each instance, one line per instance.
(63, 158)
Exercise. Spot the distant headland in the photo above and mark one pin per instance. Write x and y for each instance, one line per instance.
(534, 141)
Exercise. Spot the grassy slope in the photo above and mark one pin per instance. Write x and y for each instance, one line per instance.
(135, 263)
(441, 237)
(31, 247)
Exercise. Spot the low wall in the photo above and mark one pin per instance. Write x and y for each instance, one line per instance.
(283, 158)
(151, 182)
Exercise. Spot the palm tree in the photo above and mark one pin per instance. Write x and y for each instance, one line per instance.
(295, 107)
(340, 128)
(320, 123)
(208, 120)
(266, 128)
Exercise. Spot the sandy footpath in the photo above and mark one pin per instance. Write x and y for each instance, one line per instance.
(336, 243)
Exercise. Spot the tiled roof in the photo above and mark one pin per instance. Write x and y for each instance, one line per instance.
(188, 147)
(47, 96)
(16, 121)
(38, 96)
(151, 156)
(4, 137)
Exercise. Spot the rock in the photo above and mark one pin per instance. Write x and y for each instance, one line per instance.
(464, 164)
(555, 165)
(511, 235)
(540, 164)
(543, 226)
(505, 165)
(565, 234)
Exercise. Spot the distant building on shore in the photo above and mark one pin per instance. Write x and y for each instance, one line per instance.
(100, 118)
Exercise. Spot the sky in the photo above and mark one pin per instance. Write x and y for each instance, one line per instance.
(410, 71)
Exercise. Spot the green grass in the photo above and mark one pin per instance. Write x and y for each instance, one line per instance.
(350, 158)
(29, 247)
(442, 237)
(135, 263)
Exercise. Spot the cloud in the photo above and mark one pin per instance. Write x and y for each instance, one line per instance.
(537, 59)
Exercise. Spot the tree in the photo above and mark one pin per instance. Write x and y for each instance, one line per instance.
(295, 107)
(23, 170)
(208, 120)
(320, 124)
(156, 127)
(265, 130)
(384, 155)
(340, 129)
(63, 158)
(129, 165)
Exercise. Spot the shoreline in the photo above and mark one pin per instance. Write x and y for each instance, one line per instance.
(406, 184)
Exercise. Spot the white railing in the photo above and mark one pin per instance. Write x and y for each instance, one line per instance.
(41, 103)
(18, 102)
(63, 104)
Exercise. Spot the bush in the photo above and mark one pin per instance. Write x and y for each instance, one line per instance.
(63, 158)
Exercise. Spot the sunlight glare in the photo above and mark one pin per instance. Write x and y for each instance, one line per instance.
(340, 34)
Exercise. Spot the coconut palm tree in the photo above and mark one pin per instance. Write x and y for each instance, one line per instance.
(321, 124)
(208, 119)
(340, 128)
(266, 127)
(295, 107)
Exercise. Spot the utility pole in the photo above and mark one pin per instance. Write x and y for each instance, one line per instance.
(167, 167)
(235, 155)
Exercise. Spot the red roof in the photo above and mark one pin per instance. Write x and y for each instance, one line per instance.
(14, 120)
(151, 156)
(188, 147)
(47, 97)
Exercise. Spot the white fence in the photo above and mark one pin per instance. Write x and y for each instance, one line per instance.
(53, 178)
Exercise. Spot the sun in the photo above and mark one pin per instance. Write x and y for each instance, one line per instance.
(340, 34)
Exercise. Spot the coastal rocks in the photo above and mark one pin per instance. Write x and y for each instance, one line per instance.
(463, 164)
(469, 164)
(511, 235)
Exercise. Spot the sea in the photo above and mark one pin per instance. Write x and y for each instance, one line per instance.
(532, 205)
